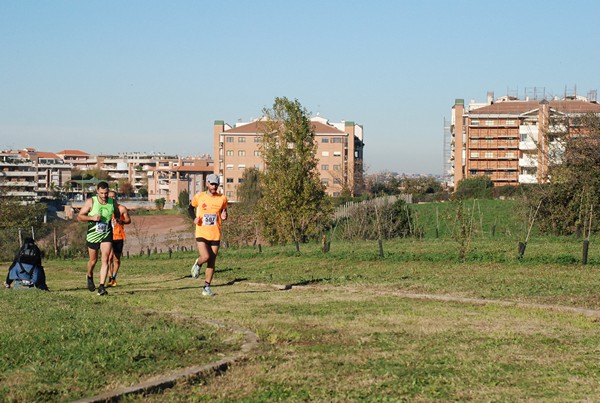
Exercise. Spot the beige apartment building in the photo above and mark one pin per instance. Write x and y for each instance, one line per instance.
(78, 159)
(29, 174)
(169, 178)
(339, 153)
(505, 139)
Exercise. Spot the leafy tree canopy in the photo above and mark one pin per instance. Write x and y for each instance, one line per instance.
(294, 205)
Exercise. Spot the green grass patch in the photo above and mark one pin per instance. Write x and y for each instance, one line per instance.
(345, 331)
(61, 347)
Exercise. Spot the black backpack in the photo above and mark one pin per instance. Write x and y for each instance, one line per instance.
(27, 267)
(29, 253)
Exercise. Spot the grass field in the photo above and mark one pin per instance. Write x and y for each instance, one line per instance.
(415, 325)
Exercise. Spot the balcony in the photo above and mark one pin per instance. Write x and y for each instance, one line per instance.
(17, 174)
(528, 162)
(529, 144)
(17, 184)
(528, 179)
(21, 194)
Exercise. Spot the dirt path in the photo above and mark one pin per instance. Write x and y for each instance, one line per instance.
(160, 232)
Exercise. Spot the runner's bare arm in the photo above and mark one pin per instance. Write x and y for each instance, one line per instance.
(83, 213)
(125, 219)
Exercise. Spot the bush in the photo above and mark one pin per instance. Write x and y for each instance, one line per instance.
(376, 219)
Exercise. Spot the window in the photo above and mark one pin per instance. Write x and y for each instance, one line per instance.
(229, 167)
(489, 154)
(325, 140)
(337, 167)
(258, 139)
(241, 167)
(489, 123)
(337, 153)
(325, 154)
(325, 181)
(474, 154)
(510, 122)
(229, 194)
(241, 153)
(257, 153)
(241, 139)
(229, 180)
(475, 122)
(336, 181)
(336, 140)
(324, 167)
(229, 153)
(229, 139)
(510, 154)
(473, 171)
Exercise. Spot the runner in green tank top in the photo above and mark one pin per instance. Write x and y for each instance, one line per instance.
(99, 231)
(97, 211)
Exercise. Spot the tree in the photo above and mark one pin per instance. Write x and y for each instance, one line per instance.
(293, 205)
(479, 187)
(572, 192)
(160, 203)
(15, 216)
(183, 200)
(125, 187)
(96, 173)
(249, 191)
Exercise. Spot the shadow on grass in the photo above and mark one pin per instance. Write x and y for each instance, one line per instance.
(125, 285)
(309, 282)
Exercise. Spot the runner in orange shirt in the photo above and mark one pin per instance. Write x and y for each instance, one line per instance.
(209, 210)
(114, 261)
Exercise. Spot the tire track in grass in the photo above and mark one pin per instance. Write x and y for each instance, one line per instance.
(593, 313)
(251, 339)
(192, 373)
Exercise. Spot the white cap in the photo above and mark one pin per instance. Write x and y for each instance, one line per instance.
(212, 178)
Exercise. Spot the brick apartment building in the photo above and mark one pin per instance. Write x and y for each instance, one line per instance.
(339, 153)
(29, 174)
(505, 138)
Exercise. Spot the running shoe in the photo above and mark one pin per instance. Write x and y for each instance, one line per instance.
(6, 285)
(196, 269)
(207, 292)
(112, 282)
(102, 290)
(91, 285)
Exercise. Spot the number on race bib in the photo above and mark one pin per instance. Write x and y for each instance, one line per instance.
(102, 227)
(209, 219)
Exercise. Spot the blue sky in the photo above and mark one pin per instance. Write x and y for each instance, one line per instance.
(119, 76)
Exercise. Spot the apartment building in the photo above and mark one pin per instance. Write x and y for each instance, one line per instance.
(134, 167)
(169, 178)
(29, 174)
(80, 160)
(504, 138)
(339, 153)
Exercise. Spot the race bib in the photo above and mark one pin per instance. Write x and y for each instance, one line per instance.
(102, 227)
(209, 219)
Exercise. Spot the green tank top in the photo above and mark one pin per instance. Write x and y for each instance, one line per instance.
(100, 231)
